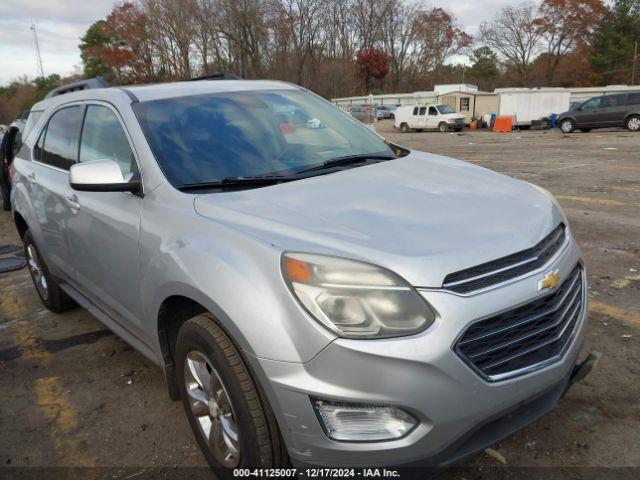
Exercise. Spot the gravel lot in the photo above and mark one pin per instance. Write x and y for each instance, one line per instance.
(74, 395)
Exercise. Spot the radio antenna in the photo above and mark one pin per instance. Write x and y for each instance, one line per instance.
(38, 57)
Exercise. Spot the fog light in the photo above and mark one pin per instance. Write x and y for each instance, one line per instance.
(362, 423)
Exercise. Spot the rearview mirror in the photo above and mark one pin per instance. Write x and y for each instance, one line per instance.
(100, 176)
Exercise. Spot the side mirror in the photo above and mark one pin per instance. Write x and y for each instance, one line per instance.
(100, 176)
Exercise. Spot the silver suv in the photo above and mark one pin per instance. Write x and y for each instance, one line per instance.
(314, 295)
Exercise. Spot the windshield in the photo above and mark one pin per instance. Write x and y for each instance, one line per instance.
(444, 109)
(207, 138)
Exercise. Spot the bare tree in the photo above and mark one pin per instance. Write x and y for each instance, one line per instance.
(320, 44)
(516, 35)
(398, 35)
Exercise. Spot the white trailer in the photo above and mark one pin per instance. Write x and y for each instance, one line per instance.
(526, 105)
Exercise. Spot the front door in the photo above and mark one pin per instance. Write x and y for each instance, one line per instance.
(590, 113)
(433, 118)
(104, 230)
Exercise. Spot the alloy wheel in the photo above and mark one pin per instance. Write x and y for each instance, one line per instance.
(566, 126)
(212, 408)
(37, 274)
(633, 124)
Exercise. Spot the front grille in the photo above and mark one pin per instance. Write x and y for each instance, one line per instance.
(531, 335)
(506, 268)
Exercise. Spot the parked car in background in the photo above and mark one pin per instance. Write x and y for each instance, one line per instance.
(8, 148)
(615, 110)
(359, 112)
(314, 295)
(21, 119)
(441, 117)
(385, 111)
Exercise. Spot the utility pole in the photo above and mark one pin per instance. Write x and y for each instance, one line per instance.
(635, 64)
(38, 57)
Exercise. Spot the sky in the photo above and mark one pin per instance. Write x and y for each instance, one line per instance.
(61, 23)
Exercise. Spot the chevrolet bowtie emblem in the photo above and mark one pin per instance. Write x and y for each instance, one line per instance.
(550, 280)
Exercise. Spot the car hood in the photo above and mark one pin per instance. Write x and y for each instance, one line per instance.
(453, 115)
(422, 216)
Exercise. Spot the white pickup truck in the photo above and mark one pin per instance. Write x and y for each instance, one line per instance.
(441, 117)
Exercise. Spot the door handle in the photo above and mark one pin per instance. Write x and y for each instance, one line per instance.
(72, 201)
(31, 177)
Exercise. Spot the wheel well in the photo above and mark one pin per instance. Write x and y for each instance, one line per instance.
(631, 115)
(173, 312)
(21, 224)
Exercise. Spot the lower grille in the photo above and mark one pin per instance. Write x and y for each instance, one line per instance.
(527, 337)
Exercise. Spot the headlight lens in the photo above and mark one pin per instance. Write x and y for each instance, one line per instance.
(355, 299)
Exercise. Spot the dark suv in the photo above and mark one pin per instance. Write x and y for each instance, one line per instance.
(616, 110)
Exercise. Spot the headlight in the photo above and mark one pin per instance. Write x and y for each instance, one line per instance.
(355, 299)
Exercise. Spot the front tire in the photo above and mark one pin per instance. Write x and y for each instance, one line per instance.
(443, 127)
(232, 423)
(567, 125)
(633, 123)
(52, 296)
(404, 128)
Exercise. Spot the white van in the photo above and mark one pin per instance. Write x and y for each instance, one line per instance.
(419, 118)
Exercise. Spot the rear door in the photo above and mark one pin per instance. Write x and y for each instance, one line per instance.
(54, 153)
(420, 118)
(103, 230)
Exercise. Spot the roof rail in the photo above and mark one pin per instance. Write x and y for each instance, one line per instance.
(88, 84)
(215, 76)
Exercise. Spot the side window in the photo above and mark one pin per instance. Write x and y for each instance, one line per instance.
(613, 101)
(103, 137)
(33, 118)
(433, 111)
(415, 110)
(633, 99)
(60, 138)
(423, 110)
(592, 104)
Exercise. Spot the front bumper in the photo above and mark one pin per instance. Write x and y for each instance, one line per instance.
(458, 411)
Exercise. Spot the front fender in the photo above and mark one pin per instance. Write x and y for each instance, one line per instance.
(234, 276)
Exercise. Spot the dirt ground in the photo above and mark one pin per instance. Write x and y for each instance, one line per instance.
(74, 395)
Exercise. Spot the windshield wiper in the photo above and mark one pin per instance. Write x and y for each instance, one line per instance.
(275, 179)
(348, 160)
(239, 181)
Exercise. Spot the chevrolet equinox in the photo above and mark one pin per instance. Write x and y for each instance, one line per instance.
(314, 294)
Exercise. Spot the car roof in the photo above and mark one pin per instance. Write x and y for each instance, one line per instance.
(157, 91)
